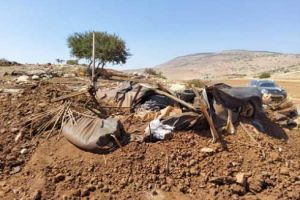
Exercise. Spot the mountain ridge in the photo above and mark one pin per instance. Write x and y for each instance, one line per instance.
(228, 63)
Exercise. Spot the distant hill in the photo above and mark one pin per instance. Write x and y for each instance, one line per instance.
(229, 64)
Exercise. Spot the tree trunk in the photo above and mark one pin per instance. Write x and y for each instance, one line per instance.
(102, 65)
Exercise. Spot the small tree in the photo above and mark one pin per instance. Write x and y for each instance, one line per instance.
(264, 75)
(59, 61)
(3, 62)
(109, 48)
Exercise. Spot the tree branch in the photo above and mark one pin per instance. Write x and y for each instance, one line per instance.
(90, 63)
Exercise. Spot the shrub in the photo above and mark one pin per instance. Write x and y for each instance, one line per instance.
(264, 75)
(196, 83)
(155, 73)
(72, 62)
(5, 62)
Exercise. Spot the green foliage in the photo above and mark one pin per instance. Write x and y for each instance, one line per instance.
(72, 62)
(109, 48)
(152, 72)
(264, 75)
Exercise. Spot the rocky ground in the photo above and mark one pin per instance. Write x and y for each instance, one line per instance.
(187, 167)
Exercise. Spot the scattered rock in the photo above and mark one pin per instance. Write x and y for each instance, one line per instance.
(35, 77)
(170, 181)
(85, 193)
(149, 187)
(234, 164)
(105, 189)
(23, 78)
(100, 185)
(91, 188)
(18, 137)
(207, 150)
(14, 130)
(194, 171)
(24, 151)
(192, 162)
(77, 193)
(256, 184)
(154, 193)
(37, 195)
(284, 171)
(155, 169)
(123, 182)
(293, 194)
(69, 75)
(238, 189)
(240, 178)
(59, 177)
(275, 156)
(185, 189)
(222, 180)
(165, 188)
(114, 191)
(15, 170)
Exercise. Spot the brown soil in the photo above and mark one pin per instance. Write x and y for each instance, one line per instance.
(175, 169)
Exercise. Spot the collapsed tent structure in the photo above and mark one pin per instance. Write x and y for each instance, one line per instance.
(159, 112)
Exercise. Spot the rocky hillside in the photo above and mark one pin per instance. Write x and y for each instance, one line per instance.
(229, 64)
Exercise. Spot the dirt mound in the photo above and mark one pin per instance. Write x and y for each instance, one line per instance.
(186, 167)
(58, 169)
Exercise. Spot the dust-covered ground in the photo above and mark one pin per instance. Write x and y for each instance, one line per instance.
(42, 167)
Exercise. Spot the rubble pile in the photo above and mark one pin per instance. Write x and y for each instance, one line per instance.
(147, 141)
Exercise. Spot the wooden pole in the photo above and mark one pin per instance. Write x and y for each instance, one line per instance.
(93, 58)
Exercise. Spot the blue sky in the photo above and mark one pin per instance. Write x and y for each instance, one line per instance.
(155, 31)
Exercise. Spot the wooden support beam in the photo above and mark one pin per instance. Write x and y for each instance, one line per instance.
(117, 78)
(74, 94)
(203, 107)
(185, 104)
